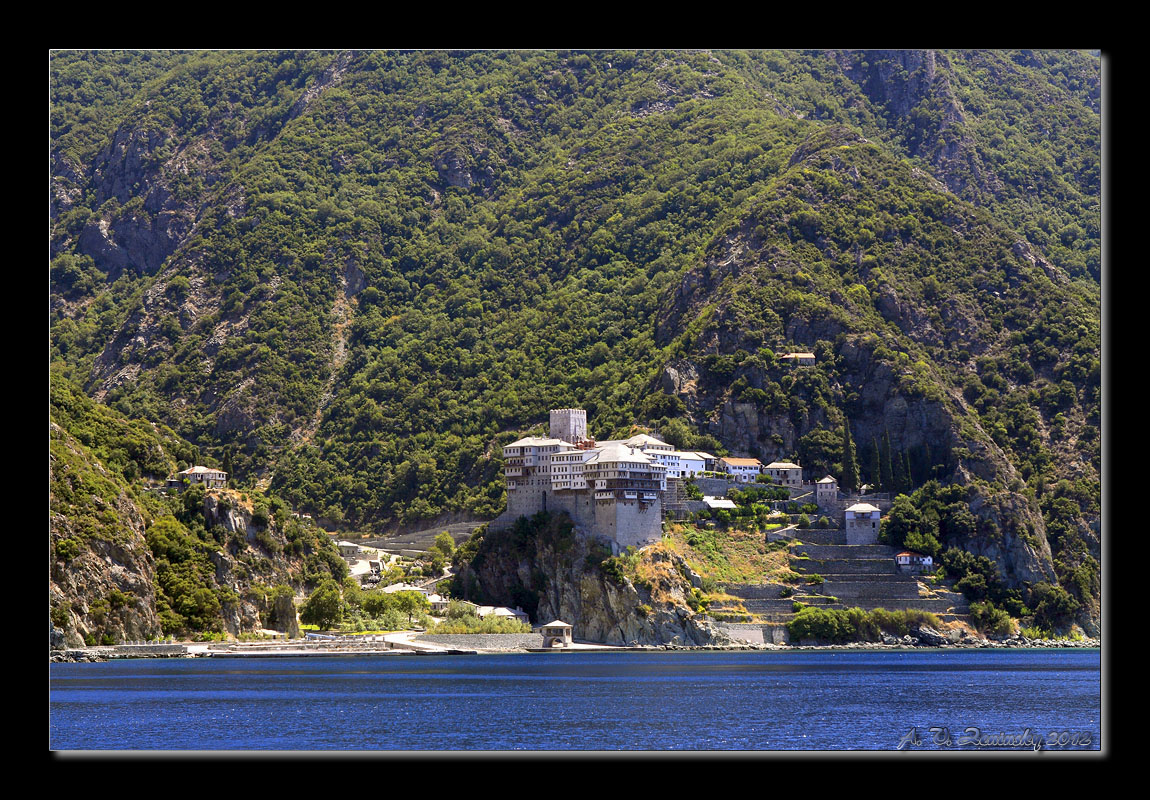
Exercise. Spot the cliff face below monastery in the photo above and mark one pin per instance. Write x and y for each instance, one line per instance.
(546, 567)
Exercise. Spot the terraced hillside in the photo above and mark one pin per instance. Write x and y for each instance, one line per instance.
(839, 576)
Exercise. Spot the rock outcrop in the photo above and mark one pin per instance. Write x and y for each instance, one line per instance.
(554, 572)
(101, 572)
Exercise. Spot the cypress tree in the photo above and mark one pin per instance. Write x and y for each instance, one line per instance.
(899, 472)
(875, 471)
(887, 471)
(850, 477)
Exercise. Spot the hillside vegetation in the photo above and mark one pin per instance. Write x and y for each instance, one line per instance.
(355, 275)
(128, 564)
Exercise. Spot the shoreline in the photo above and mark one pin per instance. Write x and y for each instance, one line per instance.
(200, 650)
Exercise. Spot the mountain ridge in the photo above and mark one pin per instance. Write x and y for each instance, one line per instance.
(353, 273)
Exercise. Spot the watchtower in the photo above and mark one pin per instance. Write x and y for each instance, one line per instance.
(569, 424)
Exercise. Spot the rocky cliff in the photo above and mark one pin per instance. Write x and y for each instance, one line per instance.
(126, 564)
(101, 584)
(554, 572)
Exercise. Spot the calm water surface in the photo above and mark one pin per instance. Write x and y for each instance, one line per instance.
(588, 701)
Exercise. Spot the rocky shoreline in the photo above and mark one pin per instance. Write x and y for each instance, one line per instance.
(908, 642)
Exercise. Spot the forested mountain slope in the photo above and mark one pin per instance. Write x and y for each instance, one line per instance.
(129, 564)
(356, 275)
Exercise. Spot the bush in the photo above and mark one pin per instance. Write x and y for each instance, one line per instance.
(990, 619)
(855, 624)
(61, 614)
(1053, 606)
(826, 625)
(67, 549)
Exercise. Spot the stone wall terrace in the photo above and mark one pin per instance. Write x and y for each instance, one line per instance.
(847, 551)
(816, 536)
(754, 591)
(852, 591)
(778, 605)
(845, 566)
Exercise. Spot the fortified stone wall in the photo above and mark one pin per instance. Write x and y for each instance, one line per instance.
(811, 536)
(580, 506)
(861, 532)
(569, 424)
(629, 523)
(626, 523)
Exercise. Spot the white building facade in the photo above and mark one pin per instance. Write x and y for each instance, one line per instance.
(745, 470)
(204, 476)
(612, 489)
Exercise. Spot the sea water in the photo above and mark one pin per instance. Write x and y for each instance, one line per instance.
(923, 700)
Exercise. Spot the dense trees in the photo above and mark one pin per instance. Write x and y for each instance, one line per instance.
(400, 261)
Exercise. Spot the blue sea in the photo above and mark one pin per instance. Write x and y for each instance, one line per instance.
(924, 700)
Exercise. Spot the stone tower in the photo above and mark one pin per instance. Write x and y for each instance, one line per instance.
(569, 424)
(862, 523)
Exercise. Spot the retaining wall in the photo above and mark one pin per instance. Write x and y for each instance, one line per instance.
(745, 591)
(818, 536)
(150, 649)
(847, 566)
(866, 590)
(778, 605)
(847, 551)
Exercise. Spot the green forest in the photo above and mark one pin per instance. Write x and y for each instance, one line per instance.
(351, 277)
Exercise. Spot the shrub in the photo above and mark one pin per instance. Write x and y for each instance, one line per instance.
(988, 618)
(67, 549)
(827, 625)
(474, 624)
(61, 614)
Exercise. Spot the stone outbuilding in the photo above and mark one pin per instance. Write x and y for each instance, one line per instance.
(785, 472)
(826, 491)
(503, 612)
(556, 634)
(862, 523)
(200, 476)
(908, 561)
